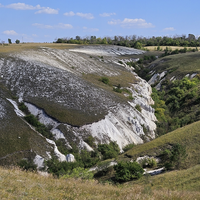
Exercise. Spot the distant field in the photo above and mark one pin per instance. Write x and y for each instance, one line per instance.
(24, 46)
(153, 48)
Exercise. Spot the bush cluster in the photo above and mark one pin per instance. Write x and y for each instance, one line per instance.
(173, 158)
(110, 150)
(27, 165)
(104, 80)
(41, 128)
(168, 51)
(126, 171)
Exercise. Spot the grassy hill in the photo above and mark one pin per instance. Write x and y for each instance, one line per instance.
(188, 136)
(177, 65)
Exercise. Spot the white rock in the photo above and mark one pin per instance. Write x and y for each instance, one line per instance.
(17, 110)
(61, 157)
(70, 158)
(39, 161)
(193, 75)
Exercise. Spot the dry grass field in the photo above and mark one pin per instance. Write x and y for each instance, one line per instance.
(24, 46)
(153, 48)
(16, 184)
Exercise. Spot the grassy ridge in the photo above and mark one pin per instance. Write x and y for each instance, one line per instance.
(178, 65)
(15, 184)
(189, 136)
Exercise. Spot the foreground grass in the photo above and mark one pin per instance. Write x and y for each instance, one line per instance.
(16, 184)
(182, 180)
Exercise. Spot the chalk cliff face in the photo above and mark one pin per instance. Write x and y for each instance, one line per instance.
(62, 88)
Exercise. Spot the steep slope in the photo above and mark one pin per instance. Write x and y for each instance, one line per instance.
(62, 88)
(17, 139)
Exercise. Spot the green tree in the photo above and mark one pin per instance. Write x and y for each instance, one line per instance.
(138, 45)
(17, 41)
(9, 41)
(110, 150)
(126, 171)
(175, 157)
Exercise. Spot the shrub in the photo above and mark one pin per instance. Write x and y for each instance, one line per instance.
(174, 158)
(104, 80)
(23, 108)
(110, 150)
(128, 147)
(78, 172)
(151, 162)
(90, 141)
(126, 171)
(138, 107)
(117, 89)
(27, 165)
(60, 168)
(31, 119)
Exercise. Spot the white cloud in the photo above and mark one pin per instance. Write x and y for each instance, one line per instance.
(58, 26)
(34, 35)
(90, 29)
(132, 23)
(69, 13)
(169, 29)
(11, 32)
(107, 14)
(23, 6)
(47, 11)
(42, 26)
(64, 26)
(83, 15)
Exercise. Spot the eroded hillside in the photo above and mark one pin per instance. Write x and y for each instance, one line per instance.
(62, 88)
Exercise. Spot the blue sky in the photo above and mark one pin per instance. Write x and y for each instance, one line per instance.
(44, 21)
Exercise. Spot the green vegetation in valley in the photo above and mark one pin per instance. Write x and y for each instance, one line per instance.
(177, 104)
